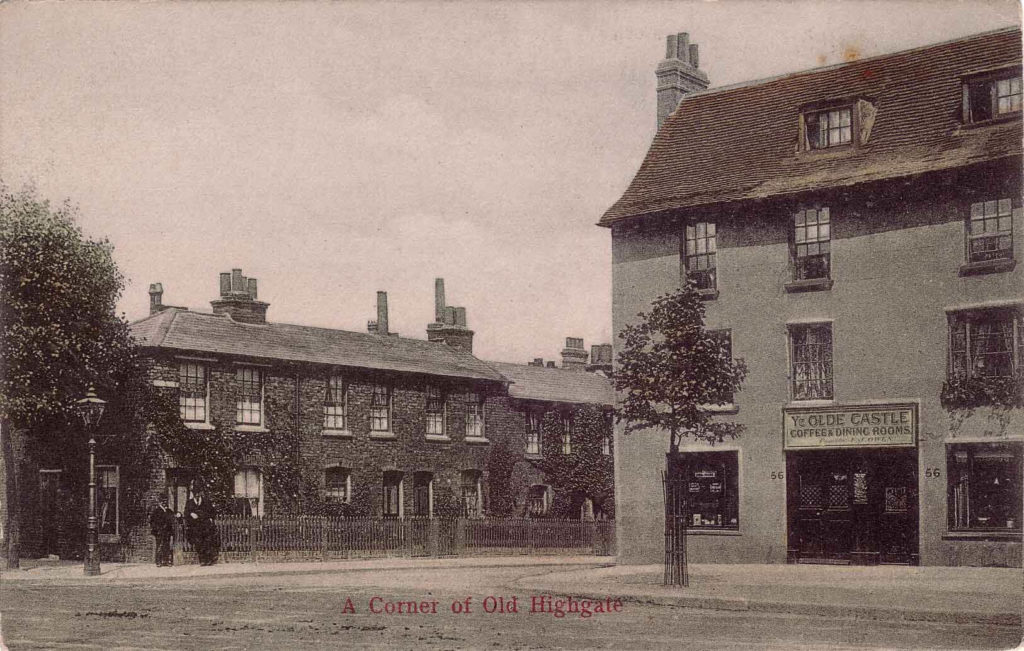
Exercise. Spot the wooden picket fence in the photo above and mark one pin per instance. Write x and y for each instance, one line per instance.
(313, 538)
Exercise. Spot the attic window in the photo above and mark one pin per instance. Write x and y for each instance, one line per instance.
(991, 96)
(829, 128)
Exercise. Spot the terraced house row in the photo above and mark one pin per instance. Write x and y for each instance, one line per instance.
(855, 231)
(386, 426)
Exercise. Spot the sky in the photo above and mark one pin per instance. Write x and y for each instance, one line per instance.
(334, 150)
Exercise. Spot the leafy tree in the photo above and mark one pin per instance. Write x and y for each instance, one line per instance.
(671, 369)
(59, 334)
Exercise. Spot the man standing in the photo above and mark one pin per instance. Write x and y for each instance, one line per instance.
(161, 524)
(202, 531)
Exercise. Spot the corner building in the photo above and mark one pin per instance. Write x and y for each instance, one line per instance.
(856, 232)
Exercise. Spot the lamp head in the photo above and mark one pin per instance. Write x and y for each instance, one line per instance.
(90, 408)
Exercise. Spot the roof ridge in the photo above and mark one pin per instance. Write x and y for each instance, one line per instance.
(833, 66)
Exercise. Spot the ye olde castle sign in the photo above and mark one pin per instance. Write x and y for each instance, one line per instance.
(849, 427)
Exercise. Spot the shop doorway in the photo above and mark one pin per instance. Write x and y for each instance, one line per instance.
(852, 506)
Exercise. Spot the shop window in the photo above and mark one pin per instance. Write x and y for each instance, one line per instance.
(699, 256)
(423, 494)
(472, 493)
(435, 411)
(830, 128)
(392, 495)
(248, 493)
(475, 416)
(338, 485)
(812, 238)
(985, 343)
(249, 409)
(380, 408)
(711, 488)
(987, 97)
(811, 354)
(534, 431)
(193, 392)
(538, 500)
(985, 486)
(990, 231)
(336, 404)
(108, 506)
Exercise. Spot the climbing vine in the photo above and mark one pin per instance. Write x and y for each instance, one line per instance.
(586, 472)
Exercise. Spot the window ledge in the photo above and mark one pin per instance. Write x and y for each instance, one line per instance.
(250, 428)
(980, 124)
(199, 426)
(477, 439)
(809, 285)
(987, 267)
(708, 294)
(729, 408)
(795, 404)
(109, 538)
(383, 436)
(438, 438)
(336, 433)
(712, 532)
(1010, 535)
(533, 455)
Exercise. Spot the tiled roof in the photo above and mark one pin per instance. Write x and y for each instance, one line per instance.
(740, 142)
(182, 330)
(556, 384)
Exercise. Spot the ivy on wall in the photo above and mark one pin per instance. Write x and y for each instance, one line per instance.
(584, 473)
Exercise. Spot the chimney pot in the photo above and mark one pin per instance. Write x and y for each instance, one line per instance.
(694, 56)
(683, 47)
(236, 281)
(156, 296)
(225, 283)
(439, 300)
(238, 299)
(449, 315)
(382, 313)
(252, 288)
(551, 364)
(670, 47)
(460, 316)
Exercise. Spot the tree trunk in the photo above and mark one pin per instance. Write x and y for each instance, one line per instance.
(676, 571)
(11, 505)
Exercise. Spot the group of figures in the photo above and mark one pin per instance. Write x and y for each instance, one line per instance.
(200, 530)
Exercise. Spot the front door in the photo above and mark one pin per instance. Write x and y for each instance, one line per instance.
(822, 524)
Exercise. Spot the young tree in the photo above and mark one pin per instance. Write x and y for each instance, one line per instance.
(671, 370)
(59, 334)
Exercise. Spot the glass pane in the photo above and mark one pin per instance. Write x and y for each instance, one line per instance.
(689, 232)
(823, 231)
(823, 215)
(977, 210)
(711, 230)
(1004, 224)
(701, 229)
(712, 247)
(1004, 207)
(690, 249)
(702, 246)
(990, 225)
(812, 233)
(800, 218)
(801, 234)
(991, 208)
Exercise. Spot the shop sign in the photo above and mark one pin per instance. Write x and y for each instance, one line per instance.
(850, 427)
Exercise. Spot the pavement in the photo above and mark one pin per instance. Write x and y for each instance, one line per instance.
(975, 595)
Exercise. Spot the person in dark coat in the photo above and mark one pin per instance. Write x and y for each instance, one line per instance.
(202, 530)
(161, 524)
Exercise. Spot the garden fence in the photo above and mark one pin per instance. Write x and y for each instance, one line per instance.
(312, 538)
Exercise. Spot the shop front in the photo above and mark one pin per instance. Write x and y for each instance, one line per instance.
(852, 484)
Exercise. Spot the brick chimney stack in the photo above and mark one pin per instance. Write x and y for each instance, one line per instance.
(678, 74)
(450, 325)
(600, 359)
(238, 299)
(156, 298)
(574, 355)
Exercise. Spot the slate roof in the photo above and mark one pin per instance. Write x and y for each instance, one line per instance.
(556, 384)
(186, 331)
(740, 142)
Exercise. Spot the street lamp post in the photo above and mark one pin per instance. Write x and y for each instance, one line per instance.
(90, 408)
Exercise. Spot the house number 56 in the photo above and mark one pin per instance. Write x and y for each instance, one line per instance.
(778, 475)
(931, 472)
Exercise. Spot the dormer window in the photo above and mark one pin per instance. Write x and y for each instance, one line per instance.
(829, 128)
(991, 96)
